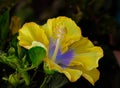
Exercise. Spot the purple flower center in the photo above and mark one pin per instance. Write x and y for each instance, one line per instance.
(61, 59)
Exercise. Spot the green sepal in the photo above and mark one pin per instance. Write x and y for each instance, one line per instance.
(11, 51)
(36, 55)
(13, 79)
(47, 70)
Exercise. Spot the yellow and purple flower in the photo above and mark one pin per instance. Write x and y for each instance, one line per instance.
(68, 52)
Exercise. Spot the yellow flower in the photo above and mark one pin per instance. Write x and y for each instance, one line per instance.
(68, 52)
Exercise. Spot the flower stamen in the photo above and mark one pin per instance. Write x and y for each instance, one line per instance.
(56, 49)
(60, 33)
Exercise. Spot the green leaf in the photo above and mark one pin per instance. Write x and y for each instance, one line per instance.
(4, 28)
(36, 54)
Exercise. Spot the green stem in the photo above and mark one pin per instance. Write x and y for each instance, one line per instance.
(34, 74)
(25, 76)
(44, 81)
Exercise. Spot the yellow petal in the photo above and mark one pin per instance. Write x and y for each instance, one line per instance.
(52, 66)
(72, 31)
(72, 74)
(86, 54)
(31, 32)
(91, 75)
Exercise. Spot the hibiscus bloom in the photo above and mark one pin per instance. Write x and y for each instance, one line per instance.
(68, 52)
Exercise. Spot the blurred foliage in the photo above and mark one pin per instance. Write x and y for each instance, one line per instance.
(4, 26)
(5, 4)
(97, 22)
